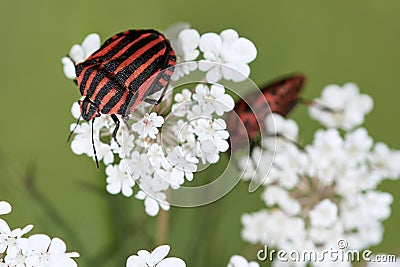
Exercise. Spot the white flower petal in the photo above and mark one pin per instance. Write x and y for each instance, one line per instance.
(244, 50)
(172, 262)
(91, 44)
(210, 42)
(39, 242)
(135, 261)
(5, 207)
(57, 246)
(151, 206)
(160, 253)
(229, 36)
(69, 68)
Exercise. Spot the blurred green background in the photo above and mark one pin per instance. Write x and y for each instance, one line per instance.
(63, 195)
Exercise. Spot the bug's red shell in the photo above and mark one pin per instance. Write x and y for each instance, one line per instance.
(127, 68)
(281, 96)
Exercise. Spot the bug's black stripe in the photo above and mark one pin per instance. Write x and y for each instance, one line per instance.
(163, 77)
(155, 86)
(114, 62)
(122, 43)
(147, 72)
(110, 66)
(99, 55)
(123, 74)
(125, 107)
(127, 40)
(86, 77)
(98, 58)
(103, 92)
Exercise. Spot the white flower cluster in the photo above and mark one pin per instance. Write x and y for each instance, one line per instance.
(225, 56)
(156, 258)
(160, 150)
(38, 250)
(240, 261)
(327, 190)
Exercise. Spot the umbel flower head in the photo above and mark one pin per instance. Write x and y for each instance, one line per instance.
(326, 191)
(159, 148)
(35, 250)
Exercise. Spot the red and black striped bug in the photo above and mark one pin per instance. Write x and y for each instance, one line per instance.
(281, 96)
(122, 73)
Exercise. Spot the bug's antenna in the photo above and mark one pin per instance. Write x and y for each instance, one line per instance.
(309, 102)
(73, 130)
(94, 148)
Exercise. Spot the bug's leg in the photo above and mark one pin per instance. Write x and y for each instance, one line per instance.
(117, 123)
(75, 81)
(159, 77)
(157, 101)
(126, 118)
(73, 130)
(309, 102)
(163, 94)
(151, 101)
(94, 148)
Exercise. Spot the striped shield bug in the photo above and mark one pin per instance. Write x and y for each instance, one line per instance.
(278, 97)
(128, 68)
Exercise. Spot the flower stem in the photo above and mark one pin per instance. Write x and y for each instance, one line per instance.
(162, 227)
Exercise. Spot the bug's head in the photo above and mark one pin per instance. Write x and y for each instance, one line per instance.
(89, 110)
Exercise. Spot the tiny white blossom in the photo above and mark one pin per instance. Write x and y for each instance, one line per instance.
(139, 164)
(156, 258)
(82, 143)
(172, 32)
(385, 161)
(358, 144)
(185, 162)
(151, 203)
(324, 214)
(348, 106)
(76, 110)
(184, 131)
(197, 112)
(232, 52)
(326, 151)
(172, 175)
(156, 156)
(152, 193)
(126, 142)
(118, 180)
(183, 103)
(214, 130)
(79, 53)
(289, 165)
(275, 195)
(254, 226)
(208, 151)
(185, 47)
(8, 237)
(148, 125)
(213, 99)
(276, 124)
(187, 43)
(240, 261)
(41, 250)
